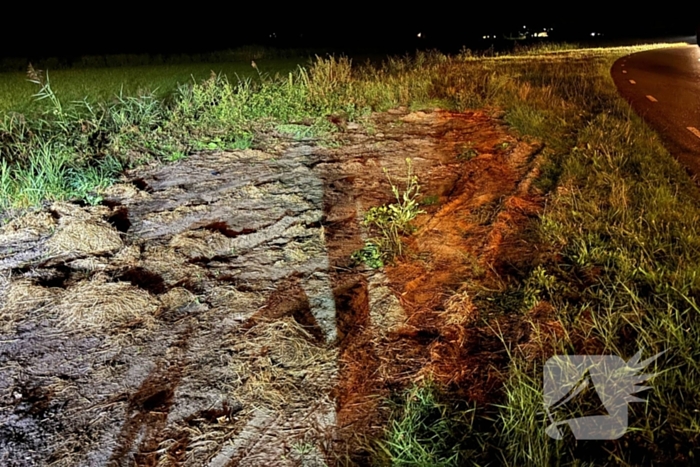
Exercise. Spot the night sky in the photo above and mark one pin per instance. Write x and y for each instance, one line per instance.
(63, 30)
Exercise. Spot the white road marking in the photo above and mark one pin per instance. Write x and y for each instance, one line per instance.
(694, 131)
(652, 98)
(633, 81)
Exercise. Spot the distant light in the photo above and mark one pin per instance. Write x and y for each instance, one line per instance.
(592, 34)
(541, 34)
(420, 34)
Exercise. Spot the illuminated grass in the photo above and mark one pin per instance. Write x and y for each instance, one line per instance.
(104, 83)
(621, 212)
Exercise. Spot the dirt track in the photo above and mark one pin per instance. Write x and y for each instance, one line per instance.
(208, 313)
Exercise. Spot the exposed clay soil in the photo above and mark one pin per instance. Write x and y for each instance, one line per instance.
(209, 313)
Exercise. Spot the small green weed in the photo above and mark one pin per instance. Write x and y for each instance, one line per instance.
(370, 255)
(393, 220)
(302, 448)
(175, 156)
(430, 200)
(467, 153)
(539, 283)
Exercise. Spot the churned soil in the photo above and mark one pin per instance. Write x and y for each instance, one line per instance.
(209, 313)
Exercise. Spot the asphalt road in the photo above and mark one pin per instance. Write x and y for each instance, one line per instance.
(663, 86)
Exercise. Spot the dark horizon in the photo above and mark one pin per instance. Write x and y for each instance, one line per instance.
(59, 34)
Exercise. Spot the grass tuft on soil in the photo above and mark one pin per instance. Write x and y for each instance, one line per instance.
(427, 429)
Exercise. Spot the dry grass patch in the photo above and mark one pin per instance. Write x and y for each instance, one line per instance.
(231, 298)
(23, 297)
(460, 310)
(106, 305)
(201, 244)
(127, 256)
(277, 365)
(177, 297)
(126, 191)
(36, 222)
(85, 236)
(172, 266)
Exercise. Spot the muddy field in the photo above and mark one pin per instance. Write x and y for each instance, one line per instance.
(209, 313)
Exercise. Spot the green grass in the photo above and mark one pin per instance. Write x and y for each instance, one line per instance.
(621, 218)
(90, 141)
(626, 213)
(622, 211)
(102, 84)
(427, 430)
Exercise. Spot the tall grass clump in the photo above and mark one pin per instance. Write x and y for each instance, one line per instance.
(428, 430)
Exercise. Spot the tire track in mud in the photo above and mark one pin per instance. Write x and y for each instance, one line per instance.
(264, 344)
(149, 407)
